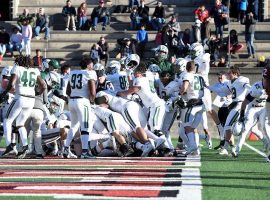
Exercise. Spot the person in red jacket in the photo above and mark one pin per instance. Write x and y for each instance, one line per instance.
(203, 15)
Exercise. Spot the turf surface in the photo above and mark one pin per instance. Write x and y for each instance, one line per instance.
(245, 177)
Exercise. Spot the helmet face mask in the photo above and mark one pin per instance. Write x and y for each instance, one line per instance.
(180, 65)
(195, 50)
(162, 52)
(132, 61)
(114, 67)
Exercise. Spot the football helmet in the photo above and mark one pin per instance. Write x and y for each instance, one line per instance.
(54, 104)
(6, 71)
(180, 64)
(195, 50)
(154, 68)
(54, 63)
(114, 67)
(132, 61)
(237, 128)
(45, 64)
(53, 79)
(98, 66)
(162, 51)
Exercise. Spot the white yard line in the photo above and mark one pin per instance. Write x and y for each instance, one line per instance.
(256, 150)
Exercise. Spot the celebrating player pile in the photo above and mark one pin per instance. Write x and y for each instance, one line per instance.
(128, 107)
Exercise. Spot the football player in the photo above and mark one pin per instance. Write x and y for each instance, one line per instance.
(252, 111)
(147, 93)
(82, 91)
(192, 92)
(202, 62)
(118, 78)
(23, 79)
(238, 87)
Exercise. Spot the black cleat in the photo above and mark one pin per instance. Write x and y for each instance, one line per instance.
(22, 154)
(11, 148)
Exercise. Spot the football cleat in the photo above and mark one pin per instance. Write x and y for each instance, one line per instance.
(191, 150)
(87, 155)
(22, 154)
(147, 148)
(11, 148)
(68, 154)
(221, 144)
(223, 151)
(268, 157)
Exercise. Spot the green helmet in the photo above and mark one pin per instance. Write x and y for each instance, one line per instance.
(54, 63)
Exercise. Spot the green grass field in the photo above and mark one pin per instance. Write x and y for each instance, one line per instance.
(245, 177)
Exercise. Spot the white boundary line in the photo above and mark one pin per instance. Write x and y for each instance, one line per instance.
(256, 150)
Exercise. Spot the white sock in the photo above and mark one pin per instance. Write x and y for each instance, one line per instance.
(84, 140)
(183, 135)
(197, 140)
(23, 135)
(70, 136)
(139, 145)
(150, 134)
(169, 140)
(7, 131)
(95, 136)
(221, 131)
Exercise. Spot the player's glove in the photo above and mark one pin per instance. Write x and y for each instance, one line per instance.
(180, 103)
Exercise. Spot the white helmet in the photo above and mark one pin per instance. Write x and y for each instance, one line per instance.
(114, 67)
(132, 61)
(180, 64)
(53, 79)
(154, 68)
(237, 128)
(6, 71)
(195, 50)
(55, 104)
(45, 64)
(162, 51)
(98, 66)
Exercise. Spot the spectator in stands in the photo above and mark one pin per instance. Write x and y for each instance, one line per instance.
(220, 14)
(235, 46)
(69, 13)
(242, 9)
(95, 53)
(142, 38)
(104, 46)
(222, 62)
(42, 24)
(135, 19)
(172, 43)
(158, 39)
(16, 41)
(165, 35)
(4, 39)
(143, 12)
(2, 51)
(158, 18)
(250, 25)
(82, 16)
(133, 3)
(174, 25)
(126, 47)
(100, 14)
(27, 36)
(203, 15)
(37, 59)
(185, 41)
(26, 15)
